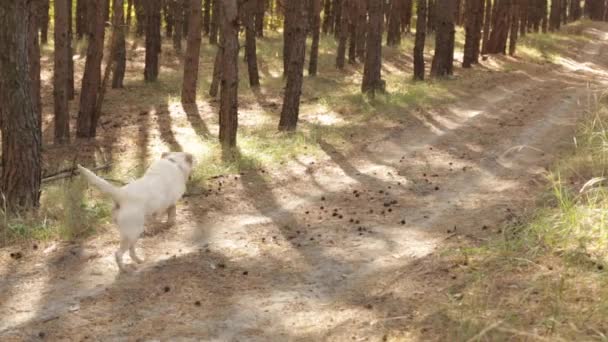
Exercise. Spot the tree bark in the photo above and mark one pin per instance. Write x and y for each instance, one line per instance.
(20, 124)
(206, 16)
(341, 55)
(34, 54)
(543, 15)
(393, 34)
(421, 6)
(230, 78)
(575, 10)
(555, 15)
(361, 28)
(71, 92)
(153, 40)
(500, 27)
(315, 12)
(60, 73)
(193, 50)
(430, 22)
(352, 32)
(44, 6)
(473, 23)
(91, 78)
(215, 19)
(443, 59)
(486, 26)
(514, 27)
(129, 11)
(140, 14)
(523, 16)
(372, 77)
(178, 17)
(259, 17)
(168, 16)
(296, 11)
(406, 16)
(248, 18)
(120, 61)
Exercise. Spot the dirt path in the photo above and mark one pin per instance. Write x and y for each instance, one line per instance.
(334, 249)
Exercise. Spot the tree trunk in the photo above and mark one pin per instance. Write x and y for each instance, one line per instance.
(248, 18)
(60, 73)
(140, 14)
(259, 17)
(543, 15)
(500, 27)
(406, 16)
(421, 6)
(555, 15)
(71, 92)
(44, 7)
(337, 17)
(34, 54)
(230, 77)
(361, 28)
(169, 19)
(372, 78)
(193, 50)
(315, 12)
(443, 60)
(81, 19)
(352, 32)
(514, 27)
(153, 40)
(129, 11)
(341, 55)
(473, 23)
(288, 37)
(178, 17)
(91, 78)
(20, 124)
(120, 61)
(215, 19)
(575, 10)
(393, 35)
(206, 16)
(523, 16)
(431, 14)
(327, 15)
(295, 11)
(486, 26)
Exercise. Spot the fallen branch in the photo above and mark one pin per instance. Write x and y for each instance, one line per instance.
(69, 173)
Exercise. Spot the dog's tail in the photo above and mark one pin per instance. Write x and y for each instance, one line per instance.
(101, 184)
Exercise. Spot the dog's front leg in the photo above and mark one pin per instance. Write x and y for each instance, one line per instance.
(171, 214)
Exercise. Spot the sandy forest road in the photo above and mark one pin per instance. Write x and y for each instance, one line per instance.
(269, 260)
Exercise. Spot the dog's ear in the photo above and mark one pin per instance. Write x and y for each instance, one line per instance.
(164, 155)
(189, 158)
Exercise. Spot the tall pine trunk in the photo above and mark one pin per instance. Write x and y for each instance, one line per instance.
(500, 27)
(443, 60)
(341, 54)
(393, 34)
(60, 73)
(230, 78)
(215, 19)
(555, 15)
(153, 40)
(259, 17)
(20, 124)
(315, 12)
(487, 21)
(473, 23)
(91, 78)
(193, 50)
(372, 78)
(514, 26)
(43, 17)
(120, 61)
(248, 18)
(206, 16)
(296, 13)
(178, 17)
(421, 8)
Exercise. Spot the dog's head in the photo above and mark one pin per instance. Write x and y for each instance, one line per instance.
(184, 160)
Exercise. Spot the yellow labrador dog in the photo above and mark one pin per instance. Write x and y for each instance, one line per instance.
(156, 192)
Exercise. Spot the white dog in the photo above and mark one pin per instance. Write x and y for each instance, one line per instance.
(156, 192)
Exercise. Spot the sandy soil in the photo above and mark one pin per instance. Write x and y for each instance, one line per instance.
(336, 248)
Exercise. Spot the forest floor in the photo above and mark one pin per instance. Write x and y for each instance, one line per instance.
(347, 243)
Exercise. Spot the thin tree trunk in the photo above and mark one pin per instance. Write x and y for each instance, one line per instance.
(193, 50)
(215, 19)
(314, 47)
(555, 15)
(259, 17)
(230, 78)
(140, 14)
(341, 55)
(486, 26)
(248, 18)
(575, 10)
(431, 14)
(500, 27)
(473, 23)
(514, 27)
(443, 60)
(523, 16)
(71, 92)
(206, 16)
(337, 17)
(543, 15)
(406, 16)
(81, 19)
(372, 78)
(44, 20)
(361, 28)
(120, 61)
(421, 6)
(169, 19)
(129, 11)
(152, 40)
(296, 11)
(352, 32)
(178, 17)
(327, 15)
(60, 73)
(91, 78)
(34, 54)
(20, 124)
(393, 35)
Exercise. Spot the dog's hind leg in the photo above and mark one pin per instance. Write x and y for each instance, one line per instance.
(132, 254)
(124, 245)
(171, 214)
